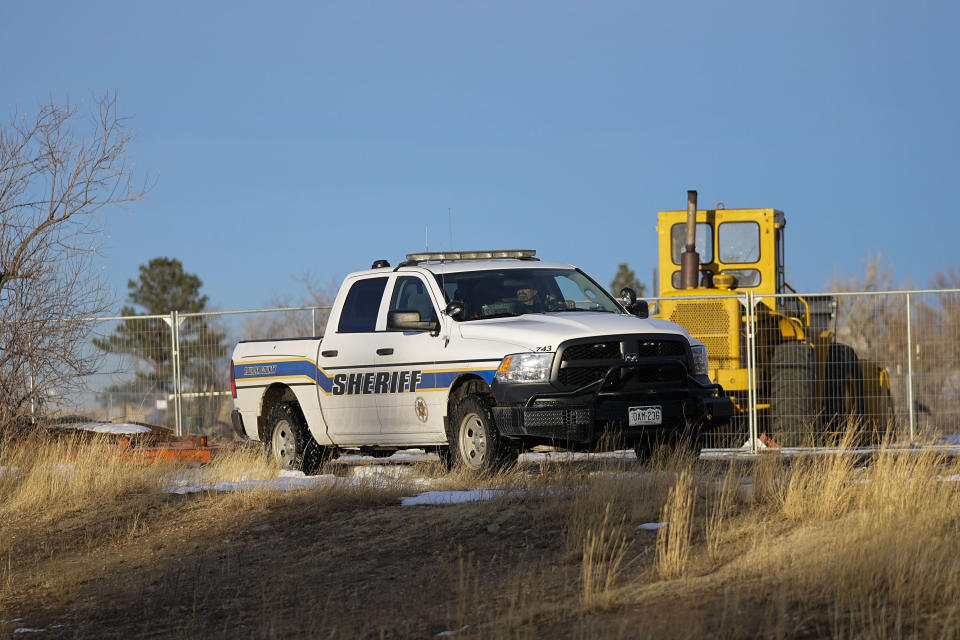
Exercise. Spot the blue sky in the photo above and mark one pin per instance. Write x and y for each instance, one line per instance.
(316, 137)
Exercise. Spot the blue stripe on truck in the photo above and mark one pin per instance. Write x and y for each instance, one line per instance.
(304, 368)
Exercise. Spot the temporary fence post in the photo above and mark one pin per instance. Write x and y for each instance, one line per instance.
(171, 399)
(313, 321)
(179, 377)
(177, 381)
(910, 370)
(751, 372)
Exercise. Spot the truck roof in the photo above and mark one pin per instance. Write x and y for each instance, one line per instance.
(456, 266)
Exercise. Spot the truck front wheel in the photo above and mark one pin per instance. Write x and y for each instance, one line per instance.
(288, 441)
(475, 443)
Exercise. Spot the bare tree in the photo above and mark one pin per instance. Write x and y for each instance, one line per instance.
(875, 326)
(58, 172)
(292, 324)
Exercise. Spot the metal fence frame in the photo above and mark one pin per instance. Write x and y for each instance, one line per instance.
(748, 299)
(174, 321)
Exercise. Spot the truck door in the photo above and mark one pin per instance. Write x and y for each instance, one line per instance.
(413, 395)
(347, 361)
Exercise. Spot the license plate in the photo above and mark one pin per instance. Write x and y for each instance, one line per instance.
(640, 416)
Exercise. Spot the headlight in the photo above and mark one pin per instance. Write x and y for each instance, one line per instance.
(699, 359)
(525, 367)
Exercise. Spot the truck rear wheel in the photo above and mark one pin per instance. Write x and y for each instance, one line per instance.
(793, 402)
(288, 441)
(475, 444)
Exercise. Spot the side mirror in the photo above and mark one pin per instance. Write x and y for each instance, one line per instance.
(454, 308)
(639, 308)
(402, 320)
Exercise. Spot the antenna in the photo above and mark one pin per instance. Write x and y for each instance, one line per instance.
(450, 222)
(426, 237)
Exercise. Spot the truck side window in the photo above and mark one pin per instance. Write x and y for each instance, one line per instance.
(410, 294)
(360, 309)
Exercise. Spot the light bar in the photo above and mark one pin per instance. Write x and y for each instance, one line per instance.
(472, 255)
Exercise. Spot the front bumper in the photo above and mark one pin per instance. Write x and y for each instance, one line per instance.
(540, 413)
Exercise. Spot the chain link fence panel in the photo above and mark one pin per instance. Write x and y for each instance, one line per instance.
(801, 369)
(135, 378)
(141, 378)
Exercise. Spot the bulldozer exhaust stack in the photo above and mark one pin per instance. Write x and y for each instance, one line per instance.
(690, 259)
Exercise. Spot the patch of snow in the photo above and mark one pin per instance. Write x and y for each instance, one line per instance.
(652, 526)
(451, 497)
(198, 480)
(280, 483)
(571, 456)
(952, 438)
(954, 478)
(401, 455)
(113, 428)
(413, 455)
(448, 634)
(28, 630)
(381, 472)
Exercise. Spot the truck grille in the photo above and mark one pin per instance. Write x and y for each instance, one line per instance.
(660, 348)
(592, 351)
(582, 363)
(579, 376)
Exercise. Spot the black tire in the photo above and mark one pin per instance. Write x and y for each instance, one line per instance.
(842, 387)
(793, 401)
(646, 447)
(475, 445)
(287, 440)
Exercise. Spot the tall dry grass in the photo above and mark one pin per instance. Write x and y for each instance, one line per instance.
(604, 557)
(45, 477)
(871, 544)
(674, 539)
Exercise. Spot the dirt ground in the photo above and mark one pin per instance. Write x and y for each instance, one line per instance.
(308, 564)
(294, 567)
(354, 563)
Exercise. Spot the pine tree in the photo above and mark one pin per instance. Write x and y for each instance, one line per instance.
(625, 277)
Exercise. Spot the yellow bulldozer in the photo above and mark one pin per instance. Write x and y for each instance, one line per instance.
(806, 383)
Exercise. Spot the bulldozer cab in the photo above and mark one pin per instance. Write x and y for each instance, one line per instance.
(739, 249)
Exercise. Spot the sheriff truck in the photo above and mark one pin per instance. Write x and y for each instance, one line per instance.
(478, 356)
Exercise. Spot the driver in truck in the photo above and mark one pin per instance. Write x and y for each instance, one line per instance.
(528, 296)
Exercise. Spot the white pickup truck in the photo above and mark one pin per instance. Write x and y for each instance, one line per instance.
(477, 356)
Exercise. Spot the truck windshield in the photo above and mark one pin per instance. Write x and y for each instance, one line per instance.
(499, 293)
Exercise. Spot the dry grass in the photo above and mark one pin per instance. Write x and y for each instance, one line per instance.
(832, 545)
(673, 540)
(604, 553)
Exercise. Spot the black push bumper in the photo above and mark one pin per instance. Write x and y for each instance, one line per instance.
(584, 415)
